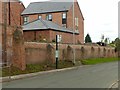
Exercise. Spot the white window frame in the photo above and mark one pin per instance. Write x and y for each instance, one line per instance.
(64, 19)
(76, 21)
(39, 17)
(26, 19)
(49, 17)
(64, 15)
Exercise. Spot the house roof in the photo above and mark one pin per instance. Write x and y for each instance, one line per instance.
(44, 24)
(47, 7)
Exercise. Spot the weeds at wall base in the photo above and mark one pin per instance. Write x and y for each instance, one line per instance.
(32, 68)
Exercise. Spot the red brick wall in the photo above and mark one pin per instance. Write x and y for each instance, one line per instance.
(0, 31)
(32, 18)
(77, 13)
(0, 43)
(40, 34)
(66, 37)
(15, 13)
(56, 17)
(49, 35)
(28, 36)
(35, 53)
(16, 10)
(43, 34)
(43, 16)
(9, 42)
(38, 52)
(1, 12)
(81, 22)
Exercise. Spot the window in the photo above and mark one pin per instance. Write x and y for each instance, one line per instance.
(49, 17)
(64, 16)
(39, 17)
(64, 19)
(25, 19)
(76, 23)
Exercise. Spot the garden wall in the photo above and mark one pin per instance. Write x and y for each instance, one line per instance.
(42, 52)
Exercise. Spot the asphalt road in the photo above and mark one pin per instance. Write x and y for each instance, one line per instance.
(95, 76)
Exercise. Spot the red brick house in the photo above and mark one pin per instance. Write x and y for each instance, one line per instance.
(10, 17)
(14, 10)
(43, 20)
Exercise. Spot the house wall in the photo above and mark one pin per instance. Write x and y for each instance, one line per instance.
(49, 36)
(0, 31)
(32, 18)
(15, 14)
(1, 11)
(9, 44)
(57, 18)
(16, 8)
(29, 35)
(0, 43)
(43, 35)
(36, 35)
(77, 13)
(66, 37)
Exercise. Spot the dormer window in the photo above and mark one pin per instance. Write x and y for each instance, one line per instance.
(26, 19)
(49, 17)
(64, 19)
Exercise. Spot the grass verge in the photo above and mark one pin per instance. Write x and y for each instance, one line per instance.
(99, 60)
(32, 68)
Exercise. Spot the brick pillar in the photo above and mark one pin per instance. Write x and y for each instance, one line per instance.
(50, 54)
(18, 50)
(0, 44)
(69, 53)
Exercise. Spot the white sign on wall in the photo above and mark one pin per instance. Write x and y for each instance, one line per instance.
(59, 38)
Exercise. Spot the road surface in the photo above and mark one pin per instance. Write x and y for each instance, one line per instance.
(95, 76)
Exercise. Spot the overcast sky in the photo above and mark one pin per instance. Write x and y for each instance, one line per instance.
(101, 17)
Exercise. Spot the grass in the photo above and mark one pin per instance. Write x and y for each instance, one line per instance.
(32, 68)
(99, 60)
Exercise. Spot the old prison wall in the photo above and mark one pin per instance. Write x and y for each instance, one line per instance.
(45, 52)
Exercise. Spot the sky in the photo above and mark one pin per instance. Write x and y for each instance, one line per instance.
(101, 17)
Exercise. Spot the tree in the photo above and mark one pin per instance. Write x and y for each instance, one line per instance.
(106, 40)
(102, 38)
(117, 43)
(88, 39)
(116, 40)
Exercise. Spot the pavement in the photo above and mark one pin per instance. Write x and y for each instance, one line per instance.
(11, 78)
(95, 76)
